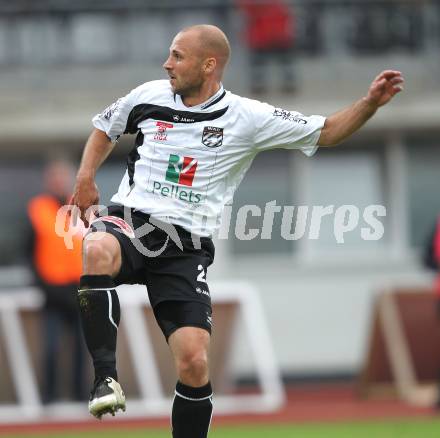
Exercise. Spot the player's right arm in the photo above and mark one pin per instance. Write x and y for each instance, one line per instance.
(109, 125)
(86, 193)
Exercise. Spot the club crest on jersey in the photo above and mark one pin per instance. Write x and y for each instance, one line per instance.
(161, 133)
(212, 136)
(181, 170)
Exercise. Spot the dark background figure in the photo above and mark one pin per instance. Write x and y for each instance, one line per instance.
(386, 27)
(432, 261)
(56, 272)
(269, 36)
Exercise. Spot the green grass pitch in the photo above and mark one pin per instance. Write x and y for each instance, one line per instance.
(421, 428)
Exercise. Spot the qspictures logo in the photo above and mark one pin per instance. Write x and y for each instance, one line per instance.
(181, 170)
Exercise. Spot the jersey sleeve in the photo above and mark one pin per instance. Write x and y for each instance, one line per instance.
(113, 119)
(279, 128)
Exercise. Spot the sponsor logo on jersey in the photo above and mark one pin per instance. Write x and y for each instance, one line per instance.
(182, 119)
(212, 136)
(181, 170)
(287, 115)
(161, 133)
(110, 110)
(176, 192)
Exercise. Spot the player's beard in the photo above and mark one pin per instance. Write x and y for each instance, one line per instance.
(189, 89)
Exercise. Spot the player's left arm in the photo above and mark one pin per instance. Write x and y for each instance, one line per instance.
(342, 124)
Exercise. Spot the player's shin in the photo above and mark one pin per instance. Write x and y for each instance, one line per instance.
(100, 315)
(192, 411)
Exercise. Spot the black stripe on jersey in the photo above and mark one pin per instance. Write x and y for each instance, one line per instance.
(146, 111)
(216, 100)
(133, 156)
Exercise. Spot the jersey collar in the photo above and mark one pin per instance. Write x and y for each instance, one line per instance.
(219, 95)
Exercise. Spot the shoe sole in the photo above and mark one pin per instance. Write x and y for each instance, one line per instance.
(108, 404)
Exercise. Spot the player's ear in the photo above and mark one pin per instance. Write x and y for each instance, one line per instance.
(210, 65)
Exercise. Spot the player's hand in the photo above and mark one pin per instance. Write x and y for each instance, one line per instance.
(85, 195)
(384, 87)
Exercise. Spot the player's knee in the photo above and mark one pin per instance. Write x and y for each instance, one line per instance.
(192, 368)
(98, 258)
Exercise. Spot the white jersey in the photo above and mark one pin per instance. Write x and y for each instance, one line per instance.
(188, 161)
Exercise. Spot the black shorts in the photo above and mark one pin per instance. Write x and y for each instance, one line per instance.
(171, 315)
(166, 258)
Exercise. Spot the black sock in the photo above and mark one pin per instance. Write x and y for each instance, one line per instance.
(192, 411)
(100, 315)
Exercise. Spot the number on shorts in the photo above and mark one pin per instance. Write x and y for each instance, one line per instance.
(202, 274)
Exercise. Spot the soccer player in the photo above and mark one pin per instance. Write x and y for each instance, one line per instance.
(194, 143)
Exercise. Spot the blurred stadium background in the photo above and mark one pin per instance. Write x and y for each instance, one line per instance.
(63, 61)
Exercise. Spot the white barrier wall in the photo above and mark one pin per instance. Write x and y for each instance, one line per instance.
(140, 356)
(319, 315)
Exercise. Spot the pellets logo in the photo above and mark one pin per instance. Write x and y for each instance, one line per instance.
(181, 170)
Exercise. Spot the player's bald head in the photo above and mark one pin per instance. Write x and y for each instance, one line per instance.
(211, 42)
